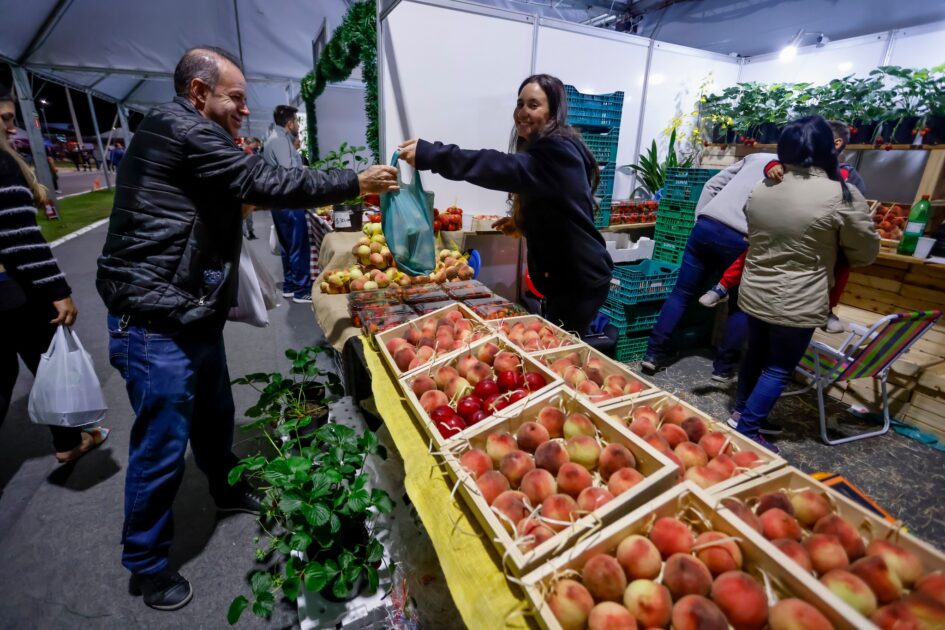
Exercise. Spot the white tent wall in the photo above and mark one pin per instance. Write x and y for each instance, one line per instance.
(449, 71)
(341, 117)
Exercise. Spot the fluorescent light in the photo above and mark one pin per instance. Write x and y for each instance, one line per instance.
(788, 53)
(846, 65)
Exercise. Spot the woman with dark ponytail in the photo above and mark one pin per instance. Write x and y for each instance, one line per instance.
(551, 177)
(795, 231)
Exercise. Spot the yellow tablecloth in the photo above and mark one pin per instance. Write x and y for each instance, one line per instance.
(483, 596)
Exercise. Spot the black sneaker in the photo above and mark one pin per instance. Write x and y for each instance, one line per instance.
(725, 378)
(164, 590)
(242, 499)
(651, 364)
(759, 439)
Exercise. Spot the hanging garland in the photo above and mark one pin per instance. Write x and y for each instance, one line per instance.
(354, 42)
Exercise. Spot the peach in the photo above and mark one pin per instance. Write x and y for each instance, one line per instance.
(579, 424)
(880, 577)
(671, 536)
(633, 387)
(486, 353)
(927, 611)
(551, 456)
(530, 436)
(691, 455)
(478, 372)
(747, 459)
(774, 500)
(795, 551)
(610, 616)
(422, 384)
(674, 414)
(412, 336)
(703, 476)
(639, 558)
(642, 426)
(571, 604)
(724, 465)
(776, 523)
(444, 375)
(506, 361)
(558, 510)
(574, 376)
(694, 612)
(515, 465)
(432, 399)
(695, 428)
(645, 411)
(573, 478)
(741, 511)
(616, 380)
(715, 442)
(896, 616)
(826, 553)
(590, 389)
(685, 575)
(425, 353)
(604, 578)
(845, 532)
(476, 462)
(457, 388)
(718, 552)
(649, 603)
(492, 483)
(396, 344)
(594, 374)
(741, 599)
(658, 442)
(592, 498)
(809, 507)
(933, 585)
(623, 480)
(674, 434)
(498, 445)
(851, 590)
(583, 450)
(903, 562)
(403, 357)
(538, 531)
(795, 614)
(613, 458)
(538, 485)
(511, 507)
(552, 419)
(680, 468)
(465, 362)
(558, 366)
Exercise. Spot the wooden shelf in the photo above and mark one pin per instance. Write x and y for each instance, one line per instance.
(850, 147)
(626, 227)
(912, 260)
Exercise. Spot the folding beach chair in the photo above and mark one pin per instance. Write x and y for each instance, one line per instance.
(865, 352)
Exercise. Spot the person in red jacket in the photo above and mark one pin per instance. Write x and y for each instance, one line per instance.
(841, 273)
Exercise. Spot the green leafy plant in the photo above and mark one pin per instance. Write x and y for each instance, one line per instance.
(652, 171)
(319, 515)
(345, 156)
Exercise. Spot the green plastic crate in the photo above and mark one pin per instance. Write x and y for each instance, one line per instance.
(690, 175)
(594, 110)
(602, 217)
(632, 318)
(606, 185)
(642, 281)
(603, 146)
(671, 226)
(630, 349)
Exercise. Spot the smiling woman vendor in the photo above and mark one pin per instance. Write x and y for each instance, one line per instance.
(551, 176)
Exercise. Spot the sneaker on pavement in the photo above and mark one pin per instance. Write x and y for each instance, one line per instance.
(302, 299)
(732, 420)
(834, 324)
(760, 439)
(164, 590)
(243, 498)
(725, 378)
(288, 294)
(652, 364)
(713, 296)
(770, 428)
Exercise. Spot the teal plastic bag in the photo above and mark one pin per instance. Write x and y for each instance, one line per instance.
(407, 222)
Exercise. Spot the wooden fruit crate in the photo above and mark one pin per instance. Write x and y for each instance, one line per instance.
(568, 339)
(785, 580)
(609, 367)
(529, 364)
(771, 461)
(658, 470)
(399, 331)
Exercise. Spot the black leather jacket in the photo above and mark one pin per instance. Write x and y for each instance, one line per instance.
(172, 252)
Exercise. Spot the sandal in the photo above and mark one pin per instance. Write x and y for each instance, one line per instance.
(97, 435)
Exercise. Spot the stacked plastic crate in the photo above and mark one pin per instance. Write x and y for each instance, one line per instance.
(597, 117)
(677, 211)
(636, 295)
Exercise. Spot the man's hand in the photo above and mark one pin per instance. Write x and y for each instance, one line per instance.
(507, 226)
(378, 179)
(408, 151)
(775, 173)
(66, 310)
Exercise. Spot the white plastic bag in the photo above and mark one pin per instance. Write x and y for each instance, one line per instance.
(66, 391)
(274, 245)
(257, 292)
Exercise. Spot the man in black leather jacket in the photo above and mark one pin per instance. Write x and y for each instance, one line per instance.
(168, 275)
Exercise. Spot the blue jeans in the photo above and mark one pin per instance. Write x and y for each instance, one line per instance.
(179, 388)
(773, 353)
(292, 230)
(711, 248)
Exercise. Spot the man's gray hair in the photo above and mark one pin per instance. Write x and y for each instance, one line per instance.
(202, 62)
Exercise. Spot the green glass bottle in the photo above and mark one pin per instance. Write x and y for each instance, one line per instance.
(918, 218)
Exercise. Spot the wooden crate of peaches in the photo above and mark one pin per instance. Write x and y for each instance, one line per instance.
(533, 333)
(706, 452)
(678, 562)
(890, 578)
(889, 219)
(464, 388)
(551, 471)
(595, 376)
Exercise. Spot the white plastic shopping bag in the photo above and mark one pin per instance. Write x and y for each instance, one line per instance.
(257, 292)
(274, 245)
(66, 391)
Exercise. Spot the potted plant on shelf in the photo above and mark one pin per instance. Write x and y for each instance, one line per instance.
(652, 171)
(319, 515)
(347, 215)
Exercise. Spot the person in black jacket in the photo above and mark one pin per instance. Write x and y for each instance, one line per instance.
(168, 275)
(552, 177)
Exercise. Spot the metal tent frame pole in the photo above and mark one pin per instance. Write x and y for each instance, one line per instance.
(123, 118)
(98, 137)
(75, 120)
(38, 148)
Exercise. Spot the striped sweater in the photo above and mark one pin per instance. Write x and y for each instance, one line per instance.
(24, 254)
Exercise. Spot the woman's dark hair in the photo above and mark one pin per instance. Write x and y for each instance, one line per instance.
(557, 123)
(808, 141)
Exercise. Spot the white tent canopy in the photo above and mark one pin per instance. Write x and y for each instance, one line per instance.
(126, 51)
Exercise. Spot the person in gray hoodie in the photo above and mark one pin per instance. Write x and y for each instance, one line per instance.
(716, 241)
